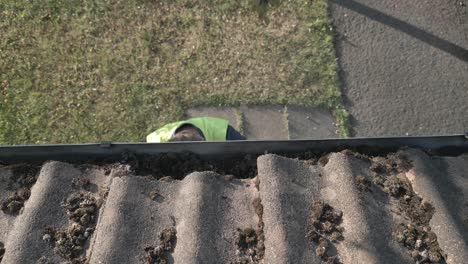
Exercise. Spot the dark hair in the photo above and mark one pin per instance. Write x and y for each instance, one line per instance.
(186, 132)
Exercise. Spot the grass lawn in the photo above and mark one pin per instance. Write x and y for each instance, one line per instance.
(84, 71)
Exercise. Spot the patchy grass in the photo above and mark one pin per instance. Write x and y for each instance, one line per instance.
(85, 71)
(342, 120)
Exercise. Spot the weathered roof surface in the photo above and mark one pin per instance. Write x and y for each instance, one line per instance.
(402, 208)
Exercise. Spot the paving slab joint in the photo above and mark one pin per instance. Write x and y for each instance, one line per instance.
(240, 120)
(286, 121)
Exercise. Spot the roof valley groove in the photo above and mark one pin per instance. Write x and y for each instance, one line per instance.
(443, 182)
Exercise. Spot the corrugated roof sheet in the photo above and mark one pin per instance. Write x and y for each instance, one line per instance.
(406, 207)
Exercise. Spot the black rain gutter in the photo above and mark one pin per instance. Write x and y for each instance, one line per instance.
(450, 145)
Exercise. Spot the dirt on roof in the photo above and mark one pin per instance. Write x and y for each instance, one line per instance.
(345, 207)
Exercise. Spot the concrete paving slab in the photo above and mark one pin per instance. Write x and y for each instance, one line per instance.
(310, 123)
(403, 65)
(228, 113)
(264, 122)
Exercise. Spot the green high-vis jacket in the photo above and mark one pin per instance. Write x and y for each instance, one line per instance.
(214, 129)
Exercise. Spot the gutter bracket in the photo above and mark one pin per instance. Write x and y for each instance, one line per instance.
(105, 144)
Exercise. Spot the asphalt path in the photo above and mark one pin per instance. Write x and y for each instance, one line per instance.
(403, 65)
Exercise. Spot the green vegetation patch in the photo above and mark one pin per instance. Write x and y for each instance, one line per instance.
(84, 71)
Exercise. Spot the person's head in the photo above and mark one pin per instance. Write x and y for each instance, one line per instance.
(187, 132)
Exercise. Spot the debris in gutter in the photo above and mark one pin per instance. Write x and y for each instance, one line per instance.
(421, 243)
(246, 242)
(363, 184)
(15, 202)
(391, 164)
(178, 165)
(167, 243)
(154, 194)
(103, 191)
(323, 228)
(22, 179)
(250, 247)
(355, 154)
(69, 243)
(258, 206)
(81, 183)
(415, 234)
(323, 160)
